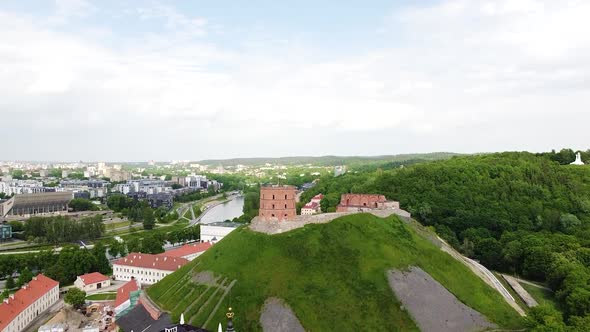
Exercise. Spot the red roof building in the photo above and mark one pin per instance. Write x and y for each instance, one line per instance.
(188, 251)
(123, 299)
(146, 268)
(92, 281)
(317, 198)
(20, 308)
(310, 208)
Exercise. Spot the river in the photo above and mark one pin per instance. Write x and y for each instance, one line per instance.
(225, 211)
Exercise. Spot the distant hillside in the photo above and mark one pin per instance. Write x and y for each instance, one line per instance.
(327, 160)
(332, 275)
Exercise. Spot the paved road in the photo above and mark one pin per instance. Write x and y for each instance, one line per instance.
(486, 275)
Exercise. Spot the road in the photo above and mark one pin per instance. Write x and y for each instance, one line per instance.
(486, 275)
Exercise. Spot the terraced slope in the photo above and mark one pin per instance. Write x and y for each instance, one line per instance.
(333, 276)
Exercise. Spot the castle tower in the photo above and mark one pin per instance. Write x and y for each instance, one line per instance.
(277, 202)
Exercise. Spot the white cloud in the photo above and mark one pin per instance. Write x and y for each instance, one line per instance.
(469, 76)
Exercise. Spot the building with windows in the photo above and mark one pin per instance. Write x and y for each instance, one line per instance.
(310, 208)
(92, 281)
(277, 202)
(5, 231)
(21, 308)
(40, 203)
(146, 268)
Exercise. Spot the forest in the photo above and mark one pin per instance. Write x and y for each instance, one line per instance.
(520, 213)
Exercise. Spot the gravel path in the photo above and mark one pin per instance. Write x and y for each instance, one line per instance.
(524, 295)
(276, 316)
(433, 307)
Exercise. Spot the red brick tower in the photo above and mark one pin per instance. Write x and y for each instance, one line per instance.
(277, 202)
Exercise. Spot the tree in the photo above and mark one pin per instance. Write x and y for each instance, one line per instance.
(569, 222)
(101, 262)
(10, 284)
(25, 276)
(176, 186)
(149, 221)
(75, 297)
(544, 318)
(82, 204)
(489, 252)
(324, 204)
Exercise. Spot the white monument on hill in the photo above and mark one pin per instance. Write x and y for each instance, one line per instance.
(578, 160)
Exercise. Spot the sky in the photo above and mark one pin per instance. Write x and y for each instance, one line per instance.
(130, 80)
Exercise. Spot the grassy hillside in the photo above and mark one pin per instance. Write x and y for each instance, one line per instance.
(332, 275)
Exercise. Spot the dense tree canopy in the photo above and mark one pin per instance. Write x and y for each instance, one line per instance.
(82, 204)
(60, 229)
(516, 212)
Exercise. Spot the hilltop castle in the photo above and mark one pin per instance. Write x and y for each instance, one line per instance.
(277, 202)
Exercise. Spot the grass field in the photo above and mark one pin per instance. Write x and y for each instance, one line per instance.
(543, 296)
(101, 297)
(332, 275)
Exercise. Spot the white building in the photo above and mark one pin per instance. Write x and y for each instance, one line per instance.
(92, 281)
(22, 307)
(214, 232)
(146, 268)
(310, 208)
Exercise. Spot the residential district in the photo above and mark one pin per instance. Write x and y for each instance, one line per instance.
(118, 301)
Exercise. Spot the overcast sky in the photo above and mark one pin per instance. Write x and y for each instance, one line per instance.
(141, 80)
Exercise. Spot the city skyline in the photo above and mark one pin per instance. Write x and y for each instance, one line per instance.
(116, 81)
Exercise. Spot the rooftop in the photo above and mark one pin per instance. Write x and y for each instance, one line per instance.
(223, 224)
(158, 262)
(312, 205)
(92, 278)
(124, 292)
(187, 249)
(24, 297)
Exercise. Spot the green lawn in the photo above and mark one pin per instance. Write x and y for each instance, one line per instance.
(543, 296)
(188, 215)
(114, 225)
(332, 275)
(101, 297)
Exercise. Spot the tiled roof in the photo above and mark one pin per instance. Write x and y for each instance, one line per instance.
(149, 261)
(187, 249)
(318, 196)
(93, 278)
(311, 205)
(124, 291)
(24, 297)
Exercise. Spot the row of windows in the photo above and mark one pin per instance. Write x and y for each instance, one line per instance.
(140, 271)
(273, 206)
(33, 311)
(273, 196)
(141, 279)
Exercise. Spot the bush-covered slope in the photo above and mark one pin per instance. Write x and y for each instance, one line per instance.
(332, 275)
(516, 212)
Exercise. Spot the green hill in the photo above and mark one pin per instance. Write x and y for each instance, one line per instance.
(329, 160)
(332, 275)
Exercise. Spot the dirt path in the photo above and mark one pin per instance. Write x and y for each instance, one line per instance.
(276, 316)
(484, 274)
(520, 291)
(432, 306)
